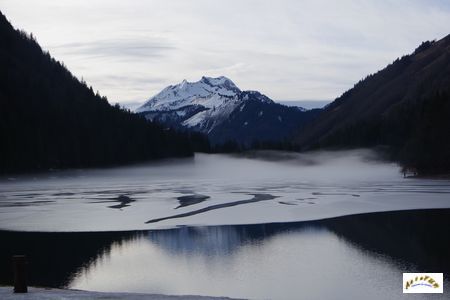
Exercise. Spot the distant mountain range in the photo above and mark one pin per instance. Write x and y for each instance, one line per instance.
(405, 106)
(218, 108)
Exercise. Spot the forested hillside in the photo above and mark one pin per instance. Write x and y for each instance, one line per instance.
(49, 119)
(405, 107)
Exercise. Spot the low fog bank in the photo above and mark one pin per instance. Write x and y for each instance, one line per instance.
(215, 189)
(336, 166)
(358, 164)
(317, 157)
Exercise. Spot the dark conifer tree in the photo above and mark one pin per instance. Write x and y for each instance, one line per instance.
(50, 119)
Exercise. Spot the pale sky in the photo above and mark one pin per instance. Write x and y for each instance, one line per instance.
(286, 49)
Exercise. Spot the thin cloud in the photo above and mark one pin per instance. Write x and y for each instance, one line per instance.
(287, 49)
(118, 48)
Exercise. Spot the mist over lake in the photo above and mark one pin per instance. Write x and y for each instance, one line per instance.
(188, 150)
(252, 225)
(214, 189)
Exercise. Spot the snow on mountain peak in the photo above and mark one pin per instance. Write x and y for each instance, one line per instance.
(183, 84)
(208, 92)
(216, 107)
(203, 104)
(221, 81)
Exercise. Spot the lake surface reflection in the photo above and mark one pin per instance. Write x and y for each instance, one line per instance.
(208, 190)
(352, 257)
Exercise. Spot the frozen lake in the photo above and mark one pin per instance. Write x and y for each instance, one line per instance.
(258, 226)
(263, 187)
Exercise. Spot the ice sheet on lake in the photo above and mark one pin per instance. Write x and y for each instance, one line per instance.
(220, 189)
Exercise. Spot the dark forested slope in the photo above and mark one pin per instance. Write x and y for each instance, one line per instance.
(49, 119)
(261, 123)
(405, 106)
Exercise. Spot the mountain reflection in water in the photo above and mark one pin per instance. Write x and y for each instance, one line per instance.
(279, 260)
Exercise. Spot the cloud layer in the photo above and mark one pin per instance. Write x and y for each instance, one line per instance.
(289, 49)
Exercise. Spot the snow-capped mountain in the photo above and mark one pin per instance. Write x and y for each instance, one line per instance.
(200, 105)
(211, 105)
(207, 92)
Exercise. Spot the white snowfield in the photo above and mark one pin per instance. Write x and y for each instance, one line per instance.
(6, 293)
(217, 97)
(208, 92)
(217, 114)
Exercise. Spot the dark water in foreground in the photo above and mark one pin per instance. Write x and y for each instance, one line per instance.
(352, 257)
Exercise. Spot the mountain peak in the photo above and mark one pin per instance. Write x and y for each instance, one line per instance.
(216, 80)
(220, 81)
(218, 108)
(207, 92)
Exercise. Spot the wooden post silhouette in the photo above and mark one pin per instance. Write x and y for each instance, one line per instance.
(20, 273)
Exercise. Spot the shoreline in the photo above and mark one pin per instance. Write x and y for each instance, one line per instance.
(38, 293)
(293, 223)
